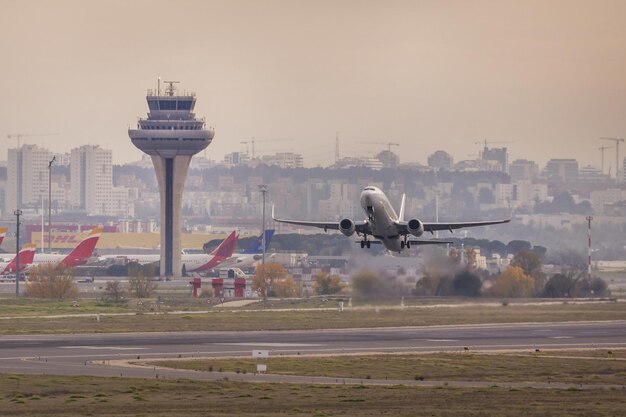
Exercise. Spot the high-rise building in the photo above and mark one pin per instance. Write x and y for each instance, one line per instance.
(563, 169)
(496, 154)
(91, 179)
(171, 135)
(27, 177)
(523, 169)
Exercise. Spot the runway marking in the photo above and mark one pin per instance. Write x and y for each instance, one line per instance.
(267, 344)
(442, 340)
(561, 337)
(103, 347)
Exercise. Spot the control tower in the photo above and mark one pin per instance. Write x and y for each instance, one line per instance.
(171, 135)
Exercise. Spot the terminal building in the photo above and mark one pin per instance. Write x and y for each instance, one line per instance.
(171, 135)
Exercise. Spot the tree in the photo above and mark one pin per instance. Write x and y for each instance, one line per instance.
(114, 291)
(513, 282)
(531, 263)
(558, 286)
(515, 246)
(467, 284)
(267, 276)
(141, 281)
(284, 287)
(327, 284)
(590, 287)
(51, 281)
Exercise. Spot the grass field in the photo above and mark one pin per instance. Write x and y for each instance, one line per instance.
(593, 367)
(217, 320)
(90, 396)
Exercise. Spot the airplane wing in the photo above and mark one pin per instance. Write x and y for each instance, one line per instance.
(432, 227)
(359, 226)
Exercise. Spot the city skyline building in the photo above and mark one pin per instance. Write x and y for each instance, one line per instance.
(27, 177)
(171, 135)
(91, 179)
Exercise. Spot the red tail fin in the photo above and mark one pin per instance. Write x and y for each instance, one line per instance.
(3, 233)
(224, 251)
(227, 247)
(84, 250)
(26, 256)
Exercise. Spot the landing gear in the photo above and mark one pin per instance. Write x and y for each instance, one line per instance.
(405, 244)
(365, 243)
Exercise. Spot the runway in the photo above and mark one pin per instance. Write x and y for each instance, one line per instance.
(98, 354)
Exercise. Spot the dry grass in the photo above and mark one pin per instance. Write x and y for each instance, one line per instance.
(596, 368)
(91, 396)
(216, 320)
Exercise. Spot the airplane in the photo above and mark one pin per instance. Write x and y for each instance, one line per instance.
(3, 233)
(80, 255)
(196, 264)
(26, 256)
(389, 228)
(192, 262)
(250, 255)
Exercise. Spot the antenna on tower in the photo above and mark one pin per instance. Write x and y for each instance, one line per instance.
(158, 85)
(170, 90)
(336, 147)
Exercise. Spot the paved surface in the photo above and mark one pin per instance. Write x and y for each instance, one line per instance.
(104, 354)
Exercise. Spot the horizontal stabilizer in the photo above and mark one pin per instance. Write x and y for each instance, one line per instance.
(430, 242)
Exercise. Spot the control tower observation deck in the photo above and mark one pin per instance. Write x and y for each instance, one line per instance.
(171, 135)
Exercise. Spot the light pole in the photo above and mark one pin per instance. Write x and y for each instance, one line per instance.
(17, 213)
(50, 202)
(263, 189)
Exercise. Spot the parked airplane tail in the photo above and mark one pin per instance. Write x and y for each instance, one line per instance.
(3, 233)
(227, 247)
(26, 257)
(84, 250)
(224, 251)
(257, 245)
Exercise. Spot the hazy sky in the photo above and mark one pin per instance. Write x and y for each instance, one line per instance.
(548, 76)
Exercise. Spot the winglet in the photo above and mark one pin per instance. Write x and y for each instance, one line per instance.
(273, 217)
(401, 216)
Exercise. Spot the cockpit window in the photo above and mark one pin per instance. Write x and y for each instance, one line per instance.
(369, 189)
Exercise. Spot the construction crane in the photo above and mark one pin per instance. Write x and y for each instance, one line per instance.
(19, 136)
(389, 144)
(253, 141)
(602, 149)
(485, 142)
(617, 142)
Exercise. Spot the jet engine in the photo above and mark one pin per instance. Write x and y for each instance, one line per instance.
(346, 226)
(415, 227)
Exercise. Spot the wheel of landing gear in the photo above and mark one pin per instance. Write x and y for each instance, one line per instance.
(402, 244)
(362, 244)
(408, 245)
(368, 244)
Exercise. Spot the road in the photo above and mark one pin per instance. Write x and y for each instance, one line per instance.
(103, 354)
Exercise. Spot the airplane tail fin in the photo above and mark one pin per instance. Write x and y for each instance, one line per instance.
(84, 250)
(227, 247)
(3, 233)
(257, 245)
(26, 257)
(401, 216)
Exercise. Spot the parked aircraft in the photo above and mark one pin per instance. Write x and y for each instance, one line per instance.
(3, 233)
(80, 255)
(26, 256)
(198, 264)
(383, 224)
(250, 255)
(192, 262)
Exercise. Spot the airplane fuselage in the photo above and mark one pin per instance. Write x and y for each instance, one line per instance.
(381, 217)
